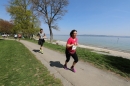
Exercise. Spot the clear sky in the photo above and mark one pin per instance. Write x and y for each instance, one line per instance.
(100, 17)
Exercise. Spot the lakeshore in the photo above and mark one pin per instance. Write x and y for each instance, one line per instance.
(100, 50)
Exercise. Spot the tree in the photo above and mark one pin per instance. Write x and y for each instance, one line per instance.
(51, 11)
(5, 26)
(23, 18)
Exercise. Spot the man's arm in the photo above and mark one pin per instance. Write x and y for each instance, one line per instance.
(44, 36)
(38, 35)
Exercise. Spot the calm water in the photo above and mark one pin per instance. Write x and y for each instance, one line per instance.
(116, 43)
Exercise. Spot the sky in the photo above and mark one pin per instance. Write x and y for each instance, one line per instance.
(93, 17)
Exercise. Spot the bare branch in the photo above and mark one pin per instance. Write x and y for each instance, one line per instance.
(51, 11)
(55, 27)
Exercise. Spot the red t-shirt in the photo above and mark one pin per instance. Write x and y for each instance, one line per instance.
(72, 41)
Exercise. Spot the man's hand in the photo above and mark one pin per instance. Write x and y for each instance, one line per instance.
(44, 37)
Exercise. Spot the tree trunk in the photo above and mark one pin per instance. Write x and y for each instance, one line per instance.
(51, 34)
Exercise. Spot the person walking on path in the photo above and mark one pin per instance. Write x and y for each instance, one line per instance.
(71, 50)
(41, 40)
(15, 36)
(19, 36)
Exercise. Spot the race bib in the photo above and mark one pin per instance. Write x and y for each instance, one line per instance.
(74, 48)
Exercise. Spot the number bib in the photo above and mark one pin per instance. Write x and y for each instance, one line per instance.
(74, 48)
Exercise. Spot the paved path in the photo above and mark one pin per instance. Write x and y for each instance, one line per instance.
(86, 75)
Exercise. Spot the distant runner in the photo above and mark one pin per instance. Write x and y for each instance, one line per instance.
(41, 40)
(19, 36)
(71, 49)
(15, 36)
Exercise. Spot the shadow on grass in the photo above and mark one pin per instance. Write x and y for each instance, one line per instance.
(56, 64)
(36, 50)
(119, 63)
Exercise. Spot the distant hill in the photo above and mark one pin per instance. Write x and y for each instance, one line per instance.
(105, 36)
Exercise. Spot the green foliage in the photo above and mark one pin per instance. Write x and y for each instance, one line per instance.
(5, 26)
(23, 18)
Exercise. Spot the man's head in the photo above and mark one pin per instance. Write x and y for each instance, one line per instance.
(41, 30)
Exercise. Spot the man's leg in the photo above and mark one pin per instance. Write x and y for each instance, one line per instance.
(41, 46)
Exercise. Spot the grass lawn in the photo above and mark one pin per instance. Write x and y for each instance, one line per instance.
(115, 64)
(19, 67)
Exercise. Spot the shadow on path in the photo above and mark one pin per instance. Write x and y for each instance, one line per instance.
(56, 64)
(36, 50)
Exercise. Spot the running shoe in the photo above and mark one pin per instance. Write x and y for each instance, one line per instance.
(73, 70)
(41, 51)
(65, 67)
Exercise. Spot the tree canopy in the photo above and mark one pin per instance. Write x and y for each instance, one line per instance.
(5, 26)
(23, 18)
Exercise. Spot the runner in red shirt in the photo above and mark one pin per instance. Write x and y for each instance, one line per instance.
(71, 49)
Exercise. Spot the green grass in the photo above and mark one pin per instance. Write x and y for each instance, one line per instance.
(0, 36)
(19, 67)
(115, 64)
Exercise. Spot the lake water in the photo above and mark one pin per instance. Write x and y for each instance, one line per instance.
(116, 43)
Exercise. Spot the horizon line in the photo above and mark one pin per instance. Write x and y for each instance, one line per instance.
(92, 35)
